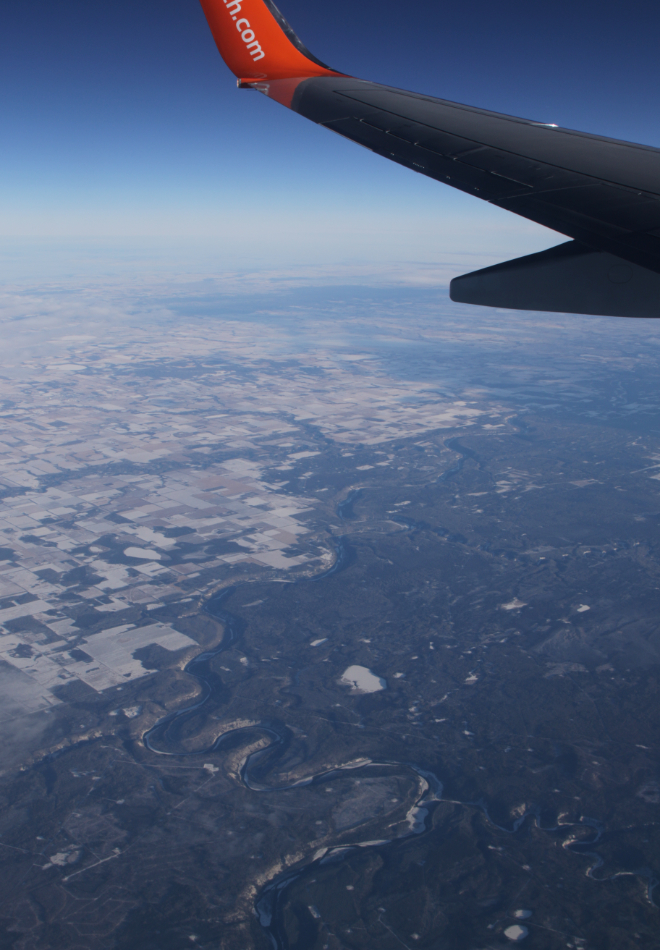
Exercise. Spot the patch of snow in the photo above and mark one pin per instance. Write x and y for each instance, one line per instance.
(142, 553)
(516, 932)
(59, 859)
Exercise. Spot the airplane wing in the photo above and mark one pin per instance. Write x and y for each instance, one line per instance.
(602, 193)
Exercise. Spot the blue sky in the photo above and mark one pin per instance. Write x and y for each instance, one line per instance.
(121, 123)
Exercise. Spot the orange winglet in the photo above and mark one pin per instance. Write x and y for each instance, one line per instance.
(257, 43)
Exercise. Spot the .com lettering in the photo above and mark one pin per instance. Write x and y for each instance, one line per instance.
(243, 27)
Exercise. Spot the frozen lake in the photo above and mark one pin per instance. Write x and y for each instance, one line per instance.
(362, 680)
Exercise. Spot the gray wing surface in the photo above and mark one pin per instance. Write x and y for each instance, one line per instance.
(602, 193)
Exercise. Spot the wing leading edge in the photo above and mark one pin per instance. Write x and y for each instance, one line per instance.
(602, 193)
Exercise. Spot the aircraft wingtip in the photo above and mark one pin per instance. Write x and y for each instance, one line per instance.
(257, 43)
